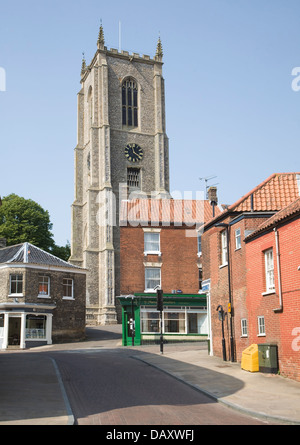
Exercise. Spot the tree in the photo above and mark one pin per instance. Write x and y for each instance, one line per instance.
(24, 220)
(63, 252)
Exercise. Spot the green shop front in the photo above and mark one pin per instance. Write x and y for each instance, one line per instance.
(184, 318)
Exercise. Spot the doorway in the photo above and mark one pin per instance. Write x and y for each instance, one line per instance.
(14, 331)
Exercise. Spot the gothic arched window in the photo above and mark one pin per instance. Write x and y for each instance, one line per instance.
(130, 103)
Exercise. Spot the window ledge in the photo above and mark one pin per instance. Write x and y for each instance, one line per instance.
(68, 298)
(44, 296)
(152, 253)
(261, 335)
(223, 265)
(269, 292)
(15, 295)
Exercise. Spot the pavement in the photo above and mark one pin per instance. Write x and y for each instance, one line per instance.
(32, 390)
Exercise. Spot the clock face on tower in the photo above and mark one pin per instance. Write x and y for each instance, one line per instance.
(133, 152)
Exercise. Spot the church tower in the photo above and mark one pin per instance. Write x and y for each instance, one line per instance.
(122, 147)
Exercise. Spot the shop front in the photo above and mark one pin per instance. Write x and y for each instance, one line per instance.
(184, 318)
(25, 325)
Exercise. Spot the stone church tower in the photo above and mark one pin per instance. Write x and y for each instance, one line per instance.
(122, 147)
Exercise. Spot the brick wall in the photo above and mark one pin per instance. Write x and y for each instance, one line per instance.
(282, 328)
(179, 260)
(219, 293)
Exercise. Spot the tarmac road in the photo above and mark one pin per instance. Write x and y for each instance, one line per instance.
(99, 382)
(107, 386)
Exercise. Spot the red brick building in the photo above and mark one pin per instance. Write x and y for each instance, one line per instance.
(225, 260)
(160, 247)
(273, 287)
(160, 244)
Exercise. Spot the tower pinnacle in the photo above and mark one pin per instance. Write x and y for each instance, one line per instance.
(100, 42)
(159, 50)
(83, 65)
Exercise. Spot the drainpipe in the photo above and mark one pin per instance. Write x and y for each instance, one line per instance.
(279, 309)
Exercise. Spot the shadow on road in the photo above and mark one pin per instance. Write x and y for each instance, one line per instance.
(102, 380)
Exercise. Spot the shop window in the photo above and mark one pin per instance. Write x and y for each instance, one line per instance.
(150, 321)
(35, 326)
(174, 322)
(16, 284)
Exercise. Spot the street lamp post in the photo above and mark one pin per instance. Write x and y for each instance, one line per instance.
(221, 317)
(226, 226)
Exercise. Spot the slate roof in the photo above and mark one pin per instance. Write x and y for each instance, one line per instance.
(166, 211)
(29, 254)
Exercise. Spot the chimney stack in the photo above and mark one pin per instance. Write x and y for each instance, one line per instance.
(212, 197)
(2, 243)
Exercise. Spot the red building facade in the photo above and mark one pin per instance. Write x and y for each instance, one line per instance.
(160, 245)
(273, 287)
(225, 263)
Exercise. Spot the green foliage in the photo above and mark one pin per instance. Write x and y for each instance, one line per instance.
(23, 220)
(63, 252)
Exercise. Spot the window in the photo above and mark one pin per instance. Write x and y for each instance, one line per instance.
(133, 177)
(35, 327)
(44, 286)
(150, 321)
(152, 278)
(224, 247)
(152, 242)
(16, 285)
(244, 327)
(269, 268)
(130, 103)
(179, 320)
(200, 278)
(261, 325)
(174, 322)
(199, 244)
(238, 242)
(68, 288)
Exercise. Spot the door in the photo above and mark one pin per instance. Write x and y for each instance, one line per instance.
(14, 330)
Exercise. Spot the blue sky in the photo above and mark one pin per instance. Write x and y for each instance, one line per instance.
(231, 111)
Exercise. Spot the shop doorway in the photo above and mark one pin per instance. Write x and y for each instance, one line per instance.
(14, 331)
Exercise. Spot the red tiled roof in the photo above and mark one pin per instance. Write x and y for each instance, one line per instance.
(173, 211)
(276, 192)
(288, 211)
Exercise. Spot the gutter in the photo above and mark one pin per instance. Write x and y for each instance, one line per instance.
(280, 308)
